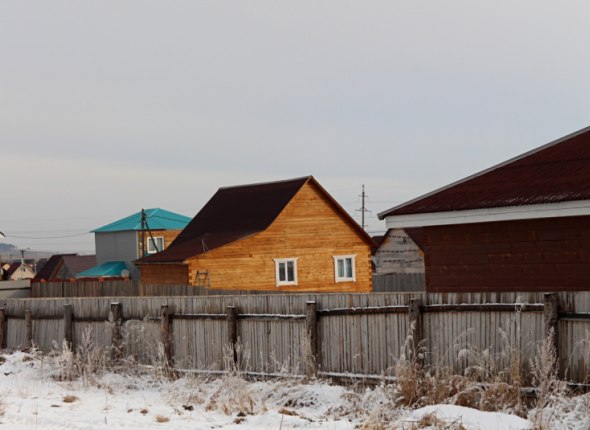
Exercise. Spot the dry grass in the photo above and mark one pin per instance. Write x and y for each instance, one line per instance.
(549, 389)
(489, 381)
(70, 399)
(88, 362)
(233, 394)
(162, 419)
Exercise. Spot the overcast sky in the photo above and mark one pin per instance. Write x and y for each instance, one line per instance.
(110, 106)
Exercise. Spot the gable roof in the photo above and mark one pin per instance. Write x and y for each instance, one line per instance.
(234, 213)
(64, 266)
(556, 172)
(157, 219)
(50, 268)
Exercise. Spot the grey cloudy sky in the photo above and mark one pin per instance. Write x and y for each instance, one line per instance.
(110, 106)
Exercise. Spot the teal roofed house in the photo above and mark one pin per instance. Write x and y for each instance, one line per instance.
(120, 243)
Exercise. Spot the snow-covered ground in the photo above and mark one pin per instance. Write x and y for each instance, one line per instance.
(32, 396)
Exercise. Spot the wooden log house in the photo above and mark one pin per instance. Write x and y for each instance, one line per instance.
(288, 235)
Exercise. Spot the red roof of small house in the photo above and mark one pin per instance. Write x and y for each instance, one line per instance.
(556, 172)
(234, 213)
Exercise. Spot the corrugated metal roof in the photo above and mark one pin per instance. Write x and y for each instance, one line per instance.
(556, 172)
(105, 270)
(157, 219)
(231, 214)
(234, 213)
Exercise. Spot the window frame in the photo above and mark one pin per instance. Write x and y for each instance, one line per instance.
(345, 278)
(155, 242)
(285, 261)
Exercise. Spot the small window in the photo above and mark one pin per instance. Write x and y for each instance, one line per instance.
(344, 270)
(155, 244)
(286, 271)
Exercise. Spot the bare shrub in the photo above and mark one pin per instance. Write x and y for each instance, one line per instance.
(549, 389)
(88, 362)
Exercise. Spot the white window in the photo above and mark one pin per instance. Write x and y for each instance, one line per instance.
(344, 270)
(286, 271)
(155, 244)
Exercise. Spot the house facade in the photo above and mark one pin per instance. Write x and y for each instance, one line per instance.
(523, 225)
(120, 243)
(288, 235)
(18, 271)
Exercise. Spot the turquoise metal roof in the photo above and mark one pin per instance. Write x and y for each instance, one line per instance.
(112, 268)
(157, 219)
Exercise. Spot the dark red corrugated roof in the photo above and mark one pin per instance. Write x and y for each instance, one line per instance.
(234, 213)
(556, 172)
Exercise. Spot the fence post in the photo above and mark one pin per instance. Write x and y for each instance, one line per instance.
(29, 325)
(232, 332)
(115, 331)
(165, 332)
(551, 314)
(3, 328)
(68, 331)
(415, 323)
(311, 325)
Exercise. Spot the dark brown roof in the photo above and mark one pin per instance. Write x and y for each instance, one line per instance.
(50, 268)
(234, 213)
(556, 172)
(65, 266)
(74, 264)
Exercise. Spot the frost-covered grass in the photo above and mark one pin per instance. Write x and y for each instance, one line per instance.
(37, 392)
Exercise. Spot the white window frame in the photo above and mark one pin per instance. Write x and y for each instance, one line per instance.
(278, 262)
(152, 249)
(352, 258)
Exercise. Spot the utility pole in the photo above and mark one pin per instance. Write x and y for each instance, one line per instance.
(363, 208)
(143, 222)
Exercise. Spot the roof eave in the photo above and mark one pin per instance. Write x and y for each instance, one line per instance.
(387, 212)
(505, 213)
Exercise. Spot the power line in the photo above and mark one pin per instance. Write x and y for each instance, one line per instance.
(46, 237)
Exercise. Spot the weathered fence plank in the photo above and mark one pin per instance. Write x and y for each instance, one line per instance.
(356, 333)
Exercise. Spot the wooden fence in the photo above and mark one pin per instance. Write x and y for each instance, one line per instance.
(399, 282)
(338, 334)
(123, 288)
(393, 282)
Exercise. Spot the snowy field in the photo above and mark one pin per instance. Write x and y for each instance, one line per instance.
(33, 396)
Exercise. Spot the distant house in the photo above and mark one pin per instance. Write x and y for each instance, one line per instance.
(17, 271)
(523, 225)
(120, 243)
(64, 266)
(289, 235)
